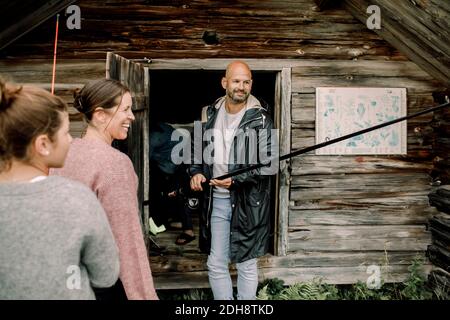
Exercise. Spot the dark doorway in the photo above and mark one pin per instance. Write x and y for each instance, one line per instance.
(178, 96)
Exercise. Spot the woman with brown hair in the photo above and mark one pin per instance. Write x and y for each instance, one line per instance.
(56, 240)
(106, 105)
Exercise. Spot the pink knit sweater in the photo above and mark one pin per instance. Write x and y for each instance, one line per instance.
(110, 174)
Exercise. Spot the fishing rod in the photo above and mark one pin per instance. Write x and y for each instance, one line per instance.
(327, 143)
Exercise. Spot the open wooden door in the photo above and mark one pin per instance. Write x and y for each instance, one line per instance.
(136, 77)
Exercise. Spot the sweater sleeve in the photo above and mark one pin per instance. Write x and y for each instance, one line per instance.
(117, 191)
(99, 254)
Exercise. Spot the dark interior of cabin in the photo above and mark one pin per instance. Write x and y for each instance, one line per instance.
(178, 96)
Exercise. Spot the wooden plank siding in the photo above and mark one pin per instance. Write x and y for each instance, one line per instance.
(70, 74)
(419, 29)
(247, 29)
(353, 205)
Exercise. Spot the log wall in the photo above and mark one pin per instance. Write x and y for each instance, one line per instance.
(360, 206)
(419, 29)
(175, 29)
(441, 146)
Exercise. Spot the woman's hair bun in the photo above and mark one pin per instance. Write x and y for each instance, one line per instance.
(7, 94)
(3, 97)
(77, 100)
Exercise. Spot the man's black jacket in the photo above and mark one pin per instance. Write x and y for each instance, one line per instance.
(249, 192)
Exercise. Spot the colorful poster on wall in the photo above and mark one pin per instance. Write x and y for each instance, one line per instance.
(340, 111)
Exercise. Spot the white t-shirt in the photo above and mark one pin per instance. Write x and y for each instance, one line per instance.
(38, 178)
(225, 126)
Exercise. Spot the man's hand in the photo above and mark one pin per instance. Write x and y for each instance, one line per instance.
(225, 183)
(196, 182)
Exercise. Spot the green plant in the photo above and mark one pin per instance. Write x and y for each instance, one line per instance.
(269, 288)
(415, 286)
(312, 290)
(360, 291)
(302, 291)
(263, 294)
(198, 294)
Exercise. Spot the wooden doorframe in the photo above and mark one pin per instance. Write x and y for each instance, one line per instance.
(135, 76)
(282, 120)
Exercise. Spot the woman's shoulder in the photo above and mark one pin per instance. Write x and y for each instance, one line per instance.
(101, 151)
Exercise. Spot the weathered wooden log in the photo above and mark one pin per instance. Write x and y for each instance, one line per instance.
(414, 86)
(333, 275)
(440, 238)
(439, 227)
(339, 275)
(394, 215)
(188, 260)
(439, 257)
(441, 224)
(359, 238)
(174, 29)
(440, 198)
(324, 164)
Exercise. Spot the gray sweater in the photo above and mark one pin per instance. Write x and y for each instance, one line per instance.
(56, 241)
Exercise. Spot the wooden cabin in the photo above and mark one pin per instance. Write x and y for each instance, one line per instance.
(334, 215)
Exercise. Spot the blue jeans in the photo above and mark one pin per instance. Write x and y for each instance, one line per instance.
(219, 258)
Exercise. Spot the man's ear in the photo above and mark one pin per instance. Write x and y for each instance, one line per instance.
(42, 145)
(224, 83)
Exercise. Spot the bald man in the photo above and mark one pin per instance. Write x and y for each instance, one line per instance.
(236, 211)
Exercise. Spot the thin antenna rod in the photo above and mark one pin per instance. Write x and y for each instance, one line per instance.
(54, 55)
